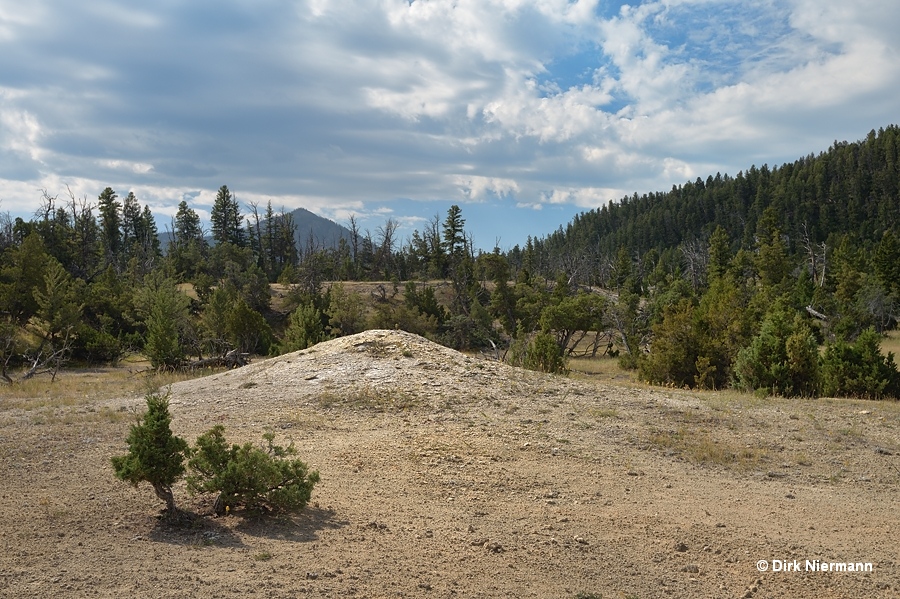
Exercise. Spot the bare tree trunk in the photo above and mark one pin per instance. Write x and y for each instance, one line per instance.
(164, 492)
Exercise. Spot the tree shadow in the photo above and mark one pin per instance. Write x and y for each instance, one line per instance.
(301, 527)
(193, 530)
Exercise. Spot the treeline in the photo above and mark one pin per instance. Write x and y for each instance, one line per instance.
(739, 280)
(733, 281)
(851, 190)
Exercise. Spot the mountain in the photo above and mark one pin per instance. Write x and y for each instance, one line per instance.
(323, 232)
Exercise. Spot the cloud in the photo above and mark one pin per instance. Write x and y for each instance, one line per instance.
(349, 107)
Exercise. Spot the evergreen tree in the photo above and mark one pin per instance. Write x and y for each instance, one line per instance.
(187, 225)
(782, 359)
(305, 328)
(454, 233)
(110, 210)
(226, 220)
(165, 312)
(131, 223)
(887, 263)
(155, 455)
(859, 369)
(719, 254)
(188, 250)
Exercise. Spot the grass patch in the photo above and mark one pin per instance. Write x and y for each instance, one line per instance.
(891, 343)
(370, 398)
(89, 415)
(603, 368)
(81, 386)
(700, 448)
(600, 413)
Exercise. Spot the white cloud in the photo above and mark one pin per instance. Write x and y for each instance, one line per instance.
(476, 188)
(125, 165)
(344, 107)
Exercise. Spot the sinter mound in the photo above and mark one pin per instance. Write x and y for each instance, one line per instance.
(377, 369)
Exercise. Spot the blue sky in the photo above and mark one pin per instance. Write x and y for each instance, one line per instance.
(523, 112)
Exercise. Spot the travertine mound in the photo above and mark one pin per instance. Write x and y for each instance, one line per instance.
(377, 369)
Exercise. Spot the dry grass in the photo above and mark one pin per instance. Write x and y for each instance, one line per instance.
(81, 386)
(700, 448)
(603, 369)
(376, 399)
(891, 343)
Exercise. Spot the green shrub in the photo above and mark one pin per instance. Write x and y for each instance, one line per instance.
(673, 357)
(154, 455)
(95, 346)
(782, 359)
(247, 329)
(249, 476)
(304, 329)
(400, 316)
(540, 353)
(859, 369)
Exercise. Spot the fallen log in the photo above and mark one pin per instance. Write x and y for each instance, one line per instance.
(815, 314)
(233, 359)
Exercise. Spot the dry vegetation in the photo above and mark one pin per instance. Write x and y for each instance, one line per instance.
(444, 475)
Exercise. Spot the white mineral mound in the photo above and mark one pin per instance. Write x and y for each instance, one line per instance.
(384, 366)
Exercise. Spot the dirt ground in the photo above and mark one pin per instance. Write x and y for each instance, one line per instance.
(444, 475)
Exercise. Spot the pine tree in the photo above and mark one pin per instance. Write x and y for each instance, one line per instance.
(454, 233)
(110, 225)
(187, 225)
(226, 220)
(155, 455)
(131, 222)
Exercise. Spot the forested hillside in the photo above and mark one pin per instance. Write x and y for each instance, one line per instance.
(851, 189)
(732, 281)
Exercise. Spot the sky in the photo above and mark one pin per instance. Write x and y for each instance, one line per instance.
(522, 112)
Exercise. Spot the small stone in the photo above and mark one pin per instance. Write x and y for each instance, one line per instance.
(692, 568)
(681, 547)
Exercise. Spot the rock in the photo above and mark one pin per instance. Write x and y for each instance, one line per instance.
(494, 547)
(681, 547)
(692, 568)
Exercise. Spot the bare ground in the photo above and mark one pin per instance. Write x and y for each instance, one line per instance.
(449, 476)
